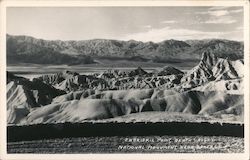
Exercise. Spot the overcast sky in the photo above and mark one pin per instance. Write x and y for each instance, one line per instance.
(125, 23)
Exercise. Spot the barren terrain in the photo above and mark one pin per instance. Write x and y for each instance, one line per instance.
(102, 105)
(132, 144)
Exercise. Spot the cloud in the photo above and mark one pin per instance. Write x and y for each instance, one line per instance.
(237, 11)
(216, 13)
(220, 12)
(220, 15)
(169, 22)
(219, 7)
(239, 28)
(221, 20)
(157, 35)
(147, 26)
(230, 9)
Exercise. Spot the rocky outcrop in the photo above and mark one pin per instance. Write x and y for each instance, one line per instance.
(213, 88)
(137, 72)
(168, 70)
(24, 95)
(56, 78)
(111, 79)
(212, 68)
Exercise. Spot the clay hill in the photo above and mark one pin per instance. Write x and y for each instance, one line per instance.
(25, 49)
(212, 90)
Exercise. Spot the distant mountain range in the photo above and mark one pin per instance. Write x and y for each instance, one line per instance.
(26, 49)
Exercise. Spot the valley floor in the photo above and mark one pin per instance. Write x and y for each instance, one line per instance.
(38, 69)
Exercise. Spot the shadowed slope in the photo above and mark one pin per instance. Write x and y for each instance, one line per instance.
(23, 95)
(212, 68)
(191, 102)
(213, 88)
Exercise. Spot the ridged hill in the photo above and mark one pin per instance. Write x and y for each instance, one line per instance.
(213, 88)
(83, 106)
(168, 70)
(114, 79)
(97, 104)
(24, 95)
(212, 68)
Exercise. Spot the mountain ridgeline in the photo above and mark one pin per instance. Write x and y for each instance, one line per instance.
(25, 49)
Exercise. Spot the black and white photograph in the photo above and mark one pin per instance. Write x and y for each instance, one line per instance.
(125, 79)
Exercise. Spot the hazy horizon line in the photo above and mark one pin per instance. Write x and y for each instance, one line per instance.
(7, 34)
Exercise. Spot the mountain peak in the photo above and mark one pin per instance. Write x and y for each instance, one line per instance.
(66, 72)
(138, 71)
(169, 70)
(209, 58)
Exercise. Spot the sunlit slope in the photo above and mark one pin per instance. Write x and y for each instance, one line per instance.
(115, 104)
(212, 88)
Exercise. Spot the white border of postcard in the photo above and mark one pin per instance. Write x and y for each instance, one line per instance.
(76, 3)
